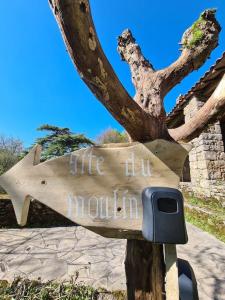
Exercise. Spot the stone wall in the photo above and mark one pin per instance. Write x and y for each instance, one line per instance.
(207, 158)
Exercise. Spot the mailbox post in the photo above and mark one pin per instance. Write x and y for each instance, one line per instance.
(164, 223)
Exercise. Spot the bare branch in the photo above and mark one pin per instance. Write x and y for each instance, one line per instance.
(152, 86)
(131, 53)
(198, 41)
(78, 31)
(146, 80)
(211, 111)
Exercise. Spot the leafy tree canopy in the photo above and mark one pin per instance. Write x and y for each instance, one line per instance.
(60, 141)
(10, 149)
(112, 136)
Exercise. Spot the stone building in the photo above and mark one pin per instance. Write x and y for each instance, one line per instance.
(204, 170)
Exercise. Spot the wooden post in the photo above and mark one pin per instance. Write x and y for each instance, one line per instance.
(143, 268)
(171, 284)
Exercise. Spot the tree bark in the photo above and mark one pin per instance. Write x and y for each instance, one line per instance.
(144, 266)
(211, 111)
(80, 37)
(144, 117)
(197, 43)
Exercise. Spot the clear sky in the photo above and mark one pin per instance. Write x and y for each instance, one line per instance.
(38, 83)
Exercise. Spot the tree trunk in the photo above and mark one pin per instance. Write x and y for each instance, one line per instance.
(144, 119)
(144, 270)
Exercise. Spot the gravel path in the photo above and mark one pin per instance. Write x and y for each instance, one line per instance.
(207, 257)
(59, 253)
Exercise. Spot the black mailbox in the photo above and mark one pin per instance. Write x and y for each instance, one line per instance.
(163, 216)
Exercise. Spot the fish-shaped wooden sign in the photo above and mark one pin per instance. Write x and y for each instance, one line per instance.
(98, 187)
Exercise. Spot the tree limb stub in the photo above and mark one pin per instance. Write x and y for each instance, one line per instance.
(197, 42)
(78, 31)
(152, 86)
(212, 110)
(131, 52)
(144, 77)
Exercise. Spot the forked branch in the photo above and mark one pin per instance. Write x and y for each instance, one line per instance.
(144, 119)
(152, 86)
(78, 31)
(212, 110)
(146, 80)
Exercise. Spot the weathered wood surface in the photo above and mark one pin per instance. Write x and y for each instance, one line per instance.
(171, 284)
(98, 187)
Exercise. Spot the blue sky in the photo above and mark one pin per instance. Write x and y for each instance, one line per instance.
(38, 83)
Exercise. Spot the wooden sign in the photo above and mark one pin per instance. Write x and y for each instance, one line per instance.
(98, 187)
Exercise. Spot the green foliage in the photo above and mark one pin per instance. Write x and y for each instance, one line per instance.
(7, 160)
(211, 204)
(22, 289)
(112, 136)
(60, 141)
(211, 224)
(25, 289)
(210, 219)
(197, 37)
(196, 34)
(10, 150)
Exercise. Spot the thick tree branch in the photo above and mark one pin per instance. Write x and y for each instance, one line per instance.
(78, 31)
(145, 79)
(212, 110)
(130, 52)
(152, 86)
(198, 41)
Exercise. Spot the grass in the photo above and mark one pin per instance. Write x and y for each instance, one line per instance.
(212, 204)
(211, 220)
(24, 289)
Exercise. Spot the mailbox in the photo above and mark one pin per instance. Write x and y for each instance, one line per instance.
(163, 216)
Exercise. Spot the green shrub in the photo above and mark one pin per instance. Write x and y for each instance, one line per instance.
(112, 136)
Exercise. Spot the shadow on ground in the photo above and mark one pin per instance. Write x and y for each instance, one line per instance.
(40, 216)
